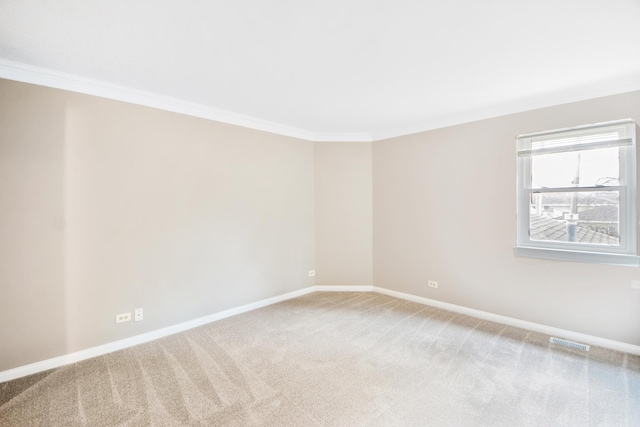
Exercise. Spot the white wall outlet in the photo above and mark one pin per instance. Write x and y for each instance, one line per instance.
(432, 284)
(138, 316)
(312, 273)
(124, 317)
(635, 284)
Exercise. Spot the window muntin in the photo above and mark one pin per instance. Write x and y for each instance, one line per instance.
(576, 192)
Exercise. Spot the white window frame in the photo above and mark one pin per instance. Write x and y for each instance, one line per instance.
(626, 252)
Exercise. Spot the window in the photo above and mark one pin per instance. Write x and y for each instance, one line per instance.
(577, 194)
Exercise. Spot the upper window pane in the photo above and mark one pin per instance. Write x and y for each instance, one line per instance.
(586, 168)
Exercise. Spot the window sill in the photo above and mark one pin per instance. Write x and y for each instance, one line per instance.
(577, 256)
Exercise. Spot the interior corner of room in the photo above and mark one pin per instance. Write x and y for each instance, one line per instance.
(109, 206)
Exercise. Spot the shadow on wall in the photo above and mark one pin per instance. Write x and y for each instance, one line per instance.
(111, 206)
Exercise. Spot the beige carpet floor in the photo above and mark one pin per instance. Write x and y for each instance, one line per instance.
(336, 359)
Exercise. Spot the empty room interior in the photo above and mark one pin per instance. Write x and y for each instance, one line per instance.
(336, 213)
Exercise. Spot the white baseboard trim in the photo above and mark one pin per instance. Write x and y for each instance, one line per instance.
(100, 350)
(338, 288)
(505, 320)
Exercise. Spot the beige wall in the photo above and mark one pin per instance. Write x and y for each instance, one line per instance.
(107, 206)
(32, 240)
(343, 213)
(444, 208)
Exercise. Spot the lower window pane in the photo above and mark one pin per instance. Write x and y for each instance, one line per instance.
(581, 217)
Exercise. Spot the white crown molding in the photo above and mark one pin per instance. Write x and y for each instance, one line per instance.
(21, 72)
(25, 73)
(100, 350)
(343, 137)
(609, 87)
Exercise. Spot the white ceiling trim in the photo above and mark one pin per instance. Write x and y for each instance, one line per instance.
(17, 71)
(25, 73)
(609, 87)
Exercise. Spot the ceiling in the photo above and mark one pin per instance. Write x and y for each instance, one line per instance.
(328, 69)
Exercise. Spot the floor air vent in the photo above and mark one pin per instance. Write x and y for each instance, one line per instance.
(569, 344)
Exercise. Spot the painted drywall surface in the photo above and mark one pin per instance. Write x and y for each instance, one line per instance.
(444, 208)
(181, 216)
(31, 225)
(343, 219)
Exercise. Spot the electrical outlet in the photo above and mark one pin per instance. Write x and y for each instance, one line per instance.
(432, 284)
(312, 273)
(635, 284)
(124, 317)
(138, 315)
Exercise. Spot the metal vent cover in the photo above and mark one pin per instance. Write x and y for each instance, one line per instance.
(570, 344)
